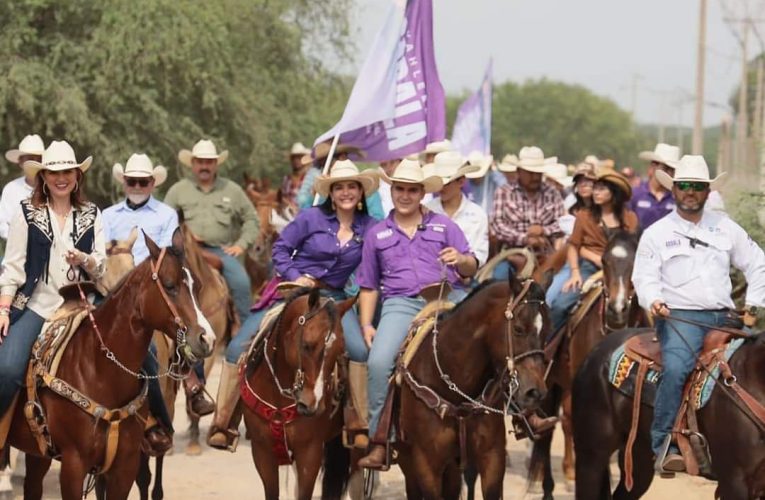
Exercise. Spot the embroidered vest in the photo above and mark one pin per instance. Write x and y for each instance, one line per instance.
(39, 244)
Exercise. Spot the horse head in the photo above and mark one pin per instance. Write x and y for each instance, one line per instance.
(119, 261)
(169, 303)
(312, 341)
(618, 261)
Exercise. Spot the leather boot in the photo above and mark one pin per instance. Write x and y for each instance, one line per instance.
(541, 425)
(158, 440)
(196, 400)
(223, 431)
(356, 411)
(376, 459)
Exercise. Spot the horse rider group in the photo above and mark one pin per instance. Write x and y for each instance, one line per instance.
(429, 222)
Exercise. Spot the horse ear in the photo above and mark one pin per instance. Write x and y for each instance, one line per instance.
(313, 299)
(132, 237)
(177, 240)
(345, 305)
(153, 248)
(181, 216)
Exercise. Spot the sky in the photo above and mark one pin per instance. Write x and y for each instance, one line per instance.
(604, 45)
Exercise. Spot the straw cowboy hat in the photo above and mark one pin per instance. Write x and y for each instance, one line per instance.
(483, 162)
(559, 173)
(321, 151)
(139, 165)
(346, 170)
(59, 156)
(592, 160)
(449, 166)
(509, 164)
(532, 159)
(662, 153)
(29, 145)
(410, 172)
(203, 149)
(438, 147)
(298, 149)
(690, 168)
(617, 179)
(586, 170)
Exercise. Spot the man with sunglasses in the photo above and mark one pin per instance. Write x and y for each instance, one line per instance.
(651, 201)
(681, 274)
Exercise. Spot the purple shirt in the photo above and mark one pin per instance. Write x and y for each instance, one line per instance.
(309, 245)
(647, 207)
(400, 267)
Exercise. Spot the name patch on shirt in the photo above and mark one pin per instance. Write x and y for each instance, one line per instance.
(644, 204)
(385, 234)
(437, 227)
(673, 243)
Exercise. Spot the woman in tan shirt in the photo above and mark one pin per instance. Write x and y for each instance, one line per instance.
(592, 229)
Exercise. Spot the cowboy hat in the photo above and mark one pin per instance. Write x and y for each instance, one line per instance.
(438, 147)
(662, 153)
(346, 170)
(139, 165)
(558, 172)
(449, 166)
(203, 149)
(29, 145)
(298, 149)
(509, 164)
(532, 159)
(321, 151)
(613, 177)
(592, 160)
(690, 168)
(59, 156)
(410, 172)
(483, 162)
(586, 170)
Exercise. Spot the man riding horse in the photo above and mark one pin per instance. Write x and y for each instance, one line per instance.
(682, 274)
(31, 147)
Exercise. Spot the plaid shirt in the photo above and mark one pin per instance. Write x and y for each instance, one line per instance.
(513, 213)
(290, 189)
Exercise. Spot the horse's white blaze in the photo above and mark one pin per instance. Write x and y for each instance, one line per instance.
(621, 295)
(209, 334)
(318, 388)
(619, 252)
(539, 323)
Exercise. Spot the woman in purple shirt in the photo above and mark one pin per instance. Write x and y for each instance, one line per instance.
(321, 247)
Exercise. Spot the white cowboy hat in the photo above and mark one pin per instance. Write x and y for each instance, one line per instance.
(592, 160)
(509, 164)
(483, 162)
(29, 145)
(690, 168)
(449, 166)
(139, 165)
(203, 149)
(298, 149)
(559, 173)
(321, 151)
(532, 159)
(438, 147)
(59, 156)
(410, 172)
(346, 170)
(662, 153)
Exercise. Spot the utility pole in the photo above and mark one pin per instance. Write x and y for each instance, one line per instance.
(743, 114)
(697, 146)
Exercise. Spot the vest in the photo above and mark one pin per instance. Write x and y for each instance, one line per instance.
(39, 243)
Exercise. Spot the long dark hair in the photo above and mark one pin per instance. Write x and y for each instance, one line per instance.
(618, 200)
(77, 197)
(327, 208)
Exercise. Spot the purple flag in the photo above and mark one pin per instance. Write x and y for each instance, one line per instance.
(472, 128)
(397, 104)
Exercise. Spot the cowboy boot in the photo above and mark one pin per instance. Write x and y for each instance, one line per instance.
(533, 422)
(378, 457)
(356, 412)
(223, 431)
(196, 402)
(157, 440)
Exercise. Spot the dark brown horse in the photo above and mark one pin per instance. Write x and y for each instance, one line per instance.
(615, 308)
(292, 396)
(483, 360)
(102, 362)
(602, 418)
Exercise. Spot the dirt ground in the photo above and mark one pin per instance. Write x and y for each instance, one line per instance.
(223, 475)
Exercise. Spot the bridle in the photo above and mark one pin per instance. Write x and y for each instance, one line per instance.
(604, 326)
(299, 380)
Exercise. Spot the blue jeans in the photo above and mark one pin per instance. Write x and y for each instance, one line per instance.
(156, 401)
(563, 303)
(354, 340)
(557, 284)
(678, 362)
(14, 355)
(237, 279)
(503, 271)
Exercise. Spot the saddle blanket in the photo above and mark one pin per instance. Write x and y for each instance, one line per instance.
(623, 369)
(56, 334)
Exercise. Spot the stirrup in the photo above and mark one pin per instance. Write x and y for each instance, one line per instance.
(230, 435)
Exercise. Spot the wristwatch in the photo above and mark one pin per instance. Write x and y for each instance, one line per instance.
(751, 310)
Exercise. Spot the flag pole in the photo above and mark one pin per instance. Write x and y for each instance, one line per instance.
(327, 163)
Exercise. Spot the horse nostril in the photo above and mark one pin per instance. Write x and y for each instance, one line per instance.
(534, 395)
(302, 408)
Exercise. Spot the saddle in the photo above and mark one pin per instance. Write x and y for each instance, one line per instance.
(421, 326)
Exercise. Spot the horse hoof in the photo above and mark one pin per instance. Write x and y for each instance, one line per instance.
(570, 485)
(193, 449)
(535, 488)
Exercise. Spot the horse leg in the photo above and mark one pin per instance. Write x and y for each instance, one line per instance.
(452, 482)
(157, 493)
(568, 433)
(540, 465)
(37, 467)
(491, 467)
(193, 448)
(428, 473)
(470, 475)
(267, 469)
(308, 462)
(72, 476)
(642, 471)
(143, 479)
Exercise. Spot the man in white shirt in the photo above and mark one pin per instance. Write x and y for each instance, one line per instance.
(387, 167)
(470, 217)
(681, 273)
(30, 149)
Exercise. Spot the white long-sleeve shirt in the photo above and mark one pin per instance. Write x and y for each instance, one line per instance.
(474, 223)
(669, 268)
(10, 202)
(45, 298)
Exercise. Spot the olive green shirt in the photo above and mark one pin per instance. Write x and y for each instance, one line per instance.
(223, 216)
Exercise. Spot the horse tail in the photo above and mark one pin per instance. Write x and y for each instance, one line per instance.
(337, 469)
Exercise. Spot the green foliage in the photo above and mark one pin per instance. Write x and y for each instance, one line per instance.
(115, 77)
(743, 207)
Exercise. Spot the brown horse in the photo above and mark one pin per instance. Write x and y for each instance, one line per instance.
(483, 360)
(603, 415)
(614, 308)
(101, 363)
(292, 396)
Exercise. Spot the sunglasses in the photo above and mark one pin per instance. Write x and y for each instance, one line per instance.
(137, 182)
(690, 185)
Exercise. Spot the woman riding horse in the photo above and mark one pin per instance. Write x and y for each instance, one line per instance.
(319, 249)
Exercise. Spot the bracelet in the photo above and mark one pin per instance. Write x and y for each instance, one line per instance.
(5, 312)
